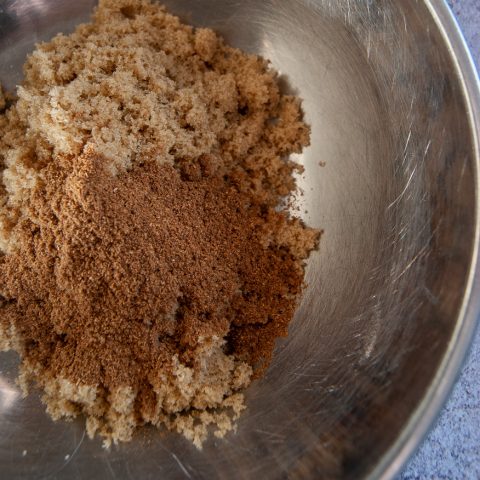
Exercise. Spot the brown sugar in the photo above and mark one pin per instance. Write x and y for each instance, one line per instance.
(146, 269)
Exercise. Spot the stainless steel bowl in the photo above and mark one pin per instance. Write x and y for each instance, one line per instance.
(392, 301)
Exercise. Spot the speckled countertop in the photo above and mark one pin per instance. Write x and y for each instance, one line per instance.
(452, 449)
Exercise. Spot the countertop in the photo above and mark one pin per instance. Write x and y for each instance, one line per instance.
(452, 449)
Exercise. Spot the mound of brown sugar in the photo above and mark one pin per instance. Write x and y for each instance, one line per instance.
(146, 268)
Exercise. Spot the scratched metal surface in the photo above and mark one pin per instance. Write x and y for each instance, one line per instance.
(388, 314)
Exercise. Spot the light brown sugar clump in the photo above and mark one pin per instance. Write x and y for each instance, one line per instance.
(146, 271)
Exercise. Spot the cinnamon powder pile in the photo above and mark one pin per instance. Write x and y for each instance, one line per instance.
(146, 271)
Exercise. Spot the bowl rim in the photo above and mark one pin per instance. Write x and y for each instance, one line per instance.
(424, 417)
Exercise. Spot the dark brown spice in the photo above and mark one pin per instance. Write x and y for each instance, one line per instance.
(116, 274)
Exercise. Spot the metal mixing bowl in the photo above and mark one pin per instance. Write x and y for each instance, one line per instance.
(392, 301)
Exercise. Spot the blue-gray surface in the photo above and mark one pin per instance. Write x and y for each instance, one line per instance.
(452, 450)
